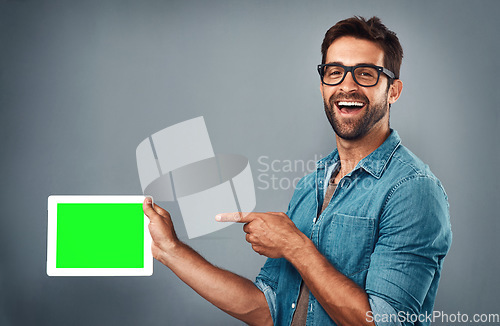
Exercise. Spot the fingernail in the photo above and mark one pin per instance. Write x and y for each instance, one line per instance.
(218, 217)
(148, 200)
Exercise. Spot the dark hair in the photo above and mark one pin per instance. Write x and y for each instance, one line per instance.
(371, 30)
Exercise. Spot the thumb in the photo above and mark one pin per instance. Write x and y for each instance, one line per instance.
(151, 213)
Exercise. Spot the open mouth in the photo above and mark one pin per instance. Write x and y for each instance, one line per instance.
(349, 107)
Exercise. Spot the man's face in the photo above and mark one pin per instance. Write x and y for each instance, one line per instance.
(354, 122)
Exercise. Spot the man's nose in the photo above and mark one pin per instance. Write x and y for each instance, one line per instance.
(348, 84)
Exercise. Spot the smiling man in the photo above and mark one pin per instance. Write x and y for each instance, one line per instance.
(365, 235)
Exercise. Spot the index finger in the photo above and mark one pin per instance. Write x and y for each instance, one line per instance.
(238, 217)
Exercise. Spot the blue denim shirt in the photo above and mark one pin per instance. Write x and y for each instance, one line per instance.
(387, 228)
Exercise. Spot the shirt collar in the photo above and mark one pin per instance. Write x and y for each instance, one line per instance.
(376, 162)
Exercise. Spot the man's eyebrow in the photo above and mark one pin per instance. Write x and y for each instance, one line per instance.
(357, 64)
(335, 63)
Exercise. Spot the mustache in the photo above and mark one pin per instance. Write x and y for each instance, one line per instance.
(341, 96)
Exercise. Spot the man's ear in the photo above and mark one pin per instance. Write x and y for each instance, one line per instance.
(395, 90)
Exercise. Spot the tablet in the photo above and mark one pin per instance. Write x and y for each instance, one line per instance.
(98, 236)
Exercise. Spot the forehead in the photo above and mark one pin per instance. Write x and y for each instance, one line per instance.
(351, 51)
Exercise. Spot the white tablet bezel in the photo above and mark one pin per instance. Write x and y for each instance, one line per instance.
(52, 270)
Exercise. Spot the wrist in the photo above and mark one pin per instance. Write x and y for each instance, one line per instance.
(170, 251)
(301, 248)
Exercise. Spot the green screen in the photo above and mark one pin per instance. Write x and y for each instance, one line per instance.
(100, 236)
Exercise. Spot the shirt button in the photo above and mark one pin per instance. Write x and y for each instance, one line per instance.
(314, 220)
(293, 305)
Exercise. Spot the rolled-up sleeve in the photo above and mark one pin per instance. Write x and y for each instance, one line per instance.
(414, 236)
(267, 282)
(382, 313)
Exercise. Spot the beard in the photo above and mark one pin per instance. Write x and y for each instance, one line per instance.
(356, 127)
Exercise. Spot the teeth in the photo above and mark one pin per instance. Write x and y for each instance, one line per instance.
(350, 104)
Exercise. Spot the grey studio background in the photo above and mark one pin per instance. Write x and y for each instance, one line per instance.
(82, 83)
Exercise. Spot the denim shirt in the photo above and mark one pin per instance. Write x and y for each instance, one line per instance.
(387, 228)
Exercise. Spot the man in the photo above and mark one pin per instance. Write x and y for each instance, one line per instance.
(365, 235)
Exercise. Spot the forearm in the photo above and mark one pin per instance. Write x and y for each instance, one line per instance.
(275, 236)
(232, 293)
(344, 301)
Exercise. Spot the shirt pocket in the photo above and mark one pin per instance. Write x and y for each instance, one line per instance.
(349, 244)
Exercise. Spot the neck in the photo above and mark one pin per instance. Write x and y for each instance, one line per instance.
(353, 151)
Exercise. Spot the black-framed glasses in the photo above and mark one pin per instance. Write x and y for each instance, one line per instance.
(365, 75)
